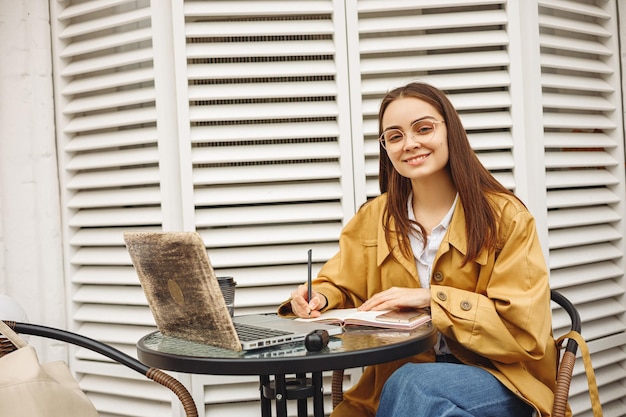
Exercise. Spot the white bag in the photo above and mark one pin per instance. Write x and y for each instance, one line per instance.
(31, 389)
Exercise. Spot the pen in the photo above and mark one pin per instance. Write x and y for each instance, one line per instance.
(309, 289)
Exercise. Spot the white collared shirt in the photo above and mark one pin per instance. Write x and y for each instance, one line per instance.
(425, 255)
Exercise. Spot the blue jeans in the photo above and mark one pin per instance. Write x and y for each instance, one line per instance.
(448, 390)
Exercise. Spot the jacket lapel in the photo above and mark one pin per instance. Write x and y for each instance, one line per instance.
(456, 236)
(384, 250)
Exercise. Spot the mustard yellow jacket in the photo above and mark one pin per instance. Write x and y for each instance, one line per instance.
(494, 312)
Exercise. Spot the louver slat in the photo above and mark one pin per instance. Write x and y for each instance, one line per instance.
(408, 22)
(111, 120)
(581, 216)
(257, 194)
(273, 235)
(269, 255)
(413, 44)
(94, 141)
(264, 131)
(582, 274)
(104, 23)
(81, 9)
(95, 179)
(256, 8)
(577, 236)
(296, 151)
(259, 28)
(580, 198)
(288, 213)
(267, 173)
(112, 61)
(451, 82)
(262, 70)
(441, 62)
(110, 101)
(117, 198)
(117, 158)
(590, 65)
(106, 42)
(580, 178)
(581, 255)
(576, 7)
(111, 217)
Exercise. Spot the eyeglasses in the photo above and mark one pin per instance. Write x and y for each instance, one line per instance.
(422, 131)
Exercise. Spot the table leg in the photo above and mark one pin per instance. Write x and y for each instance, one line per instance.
(300, 388)
(302, 402)
(318, 394)
(266, 403)
(281, 395)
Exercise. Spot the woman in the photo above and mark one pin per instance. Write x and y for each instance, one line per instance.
(444, 234)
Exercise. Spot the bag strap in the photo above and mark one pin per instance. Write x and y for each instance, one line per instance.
(12, 336)
(591, 376)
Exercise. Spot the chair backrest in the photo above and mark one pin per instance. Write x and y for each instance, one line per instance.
(566, 363)
(571, 310)
(154, 374)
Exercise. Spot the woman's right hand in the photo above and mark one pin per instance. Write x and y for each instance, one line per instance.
(304, 309)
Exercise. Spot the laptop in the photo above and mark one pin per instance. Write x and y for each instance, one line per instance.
(186, 302)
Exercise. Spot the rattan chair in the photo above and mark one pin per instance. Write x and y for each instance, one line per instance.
(564, 374)
(110, 352)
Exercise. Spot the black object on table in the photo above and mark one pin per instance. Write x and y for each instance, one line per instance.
(356, 347)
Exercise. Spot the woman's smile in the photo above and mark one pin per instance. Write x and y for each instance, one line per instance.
(417, 160)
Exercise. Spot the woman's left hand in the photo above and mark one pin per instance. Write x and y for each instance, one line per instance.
(395, 298)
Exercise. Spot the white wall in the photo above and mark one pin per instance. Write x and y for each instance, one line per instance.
(31, 267)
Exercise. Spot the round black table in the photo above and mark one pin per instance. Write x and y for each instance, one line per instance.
(357, 346)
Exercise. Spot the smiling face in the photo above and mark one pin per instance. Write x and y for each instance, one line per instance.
(412, 159)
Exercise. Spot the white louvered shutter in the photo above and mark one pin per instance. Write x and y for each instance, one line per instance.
(584, 158)
(107, 138)
(258, 89)
(470, 49)
(269, 178)
(271, 150)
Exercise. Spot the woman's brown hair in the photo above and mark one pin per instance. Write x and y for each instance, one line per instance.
(471, 179)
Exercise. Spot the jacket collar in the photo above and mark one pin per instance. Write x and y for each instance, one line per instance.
(455, 236)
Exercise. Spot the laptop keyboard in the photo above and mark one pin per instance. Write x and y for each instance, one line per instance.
(247, 332)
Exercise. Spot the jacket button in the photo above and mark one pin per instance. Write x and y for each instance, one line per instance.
(442, 296)
(438, 276)
(466, 305)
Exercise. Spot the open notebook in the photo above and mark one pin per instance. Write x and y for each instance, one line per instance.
(388, 319)
(186, 301)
